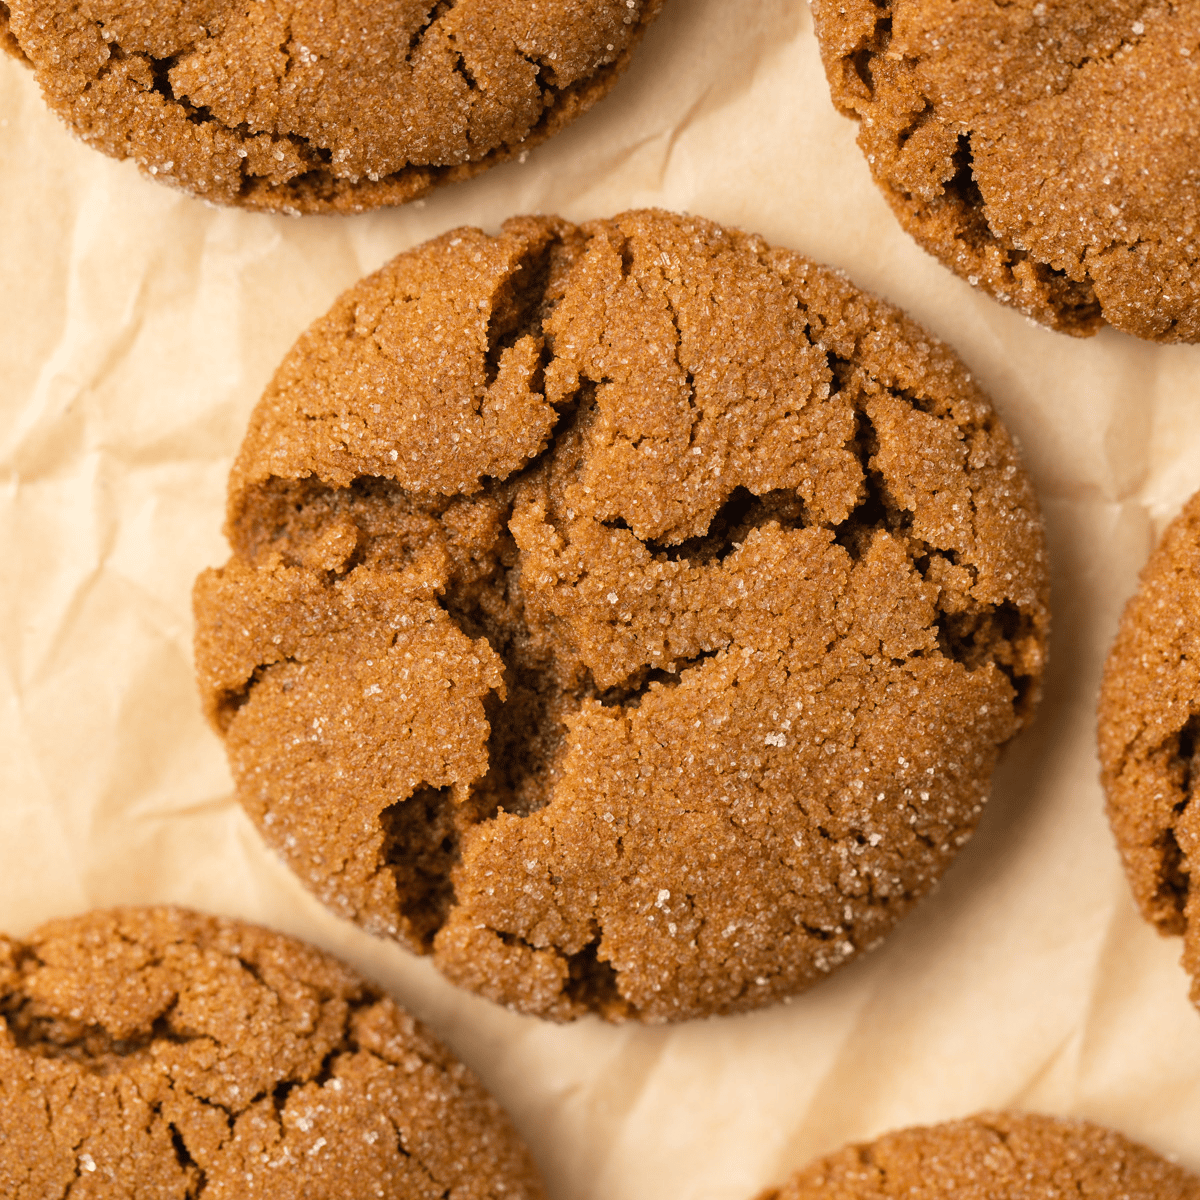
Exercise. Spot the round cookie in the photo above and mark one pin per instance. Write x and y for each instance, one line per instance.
(994, 1156)
(629, 614)
(159, 1053)
(1149, 718)
(1048, 153)
(317, 106)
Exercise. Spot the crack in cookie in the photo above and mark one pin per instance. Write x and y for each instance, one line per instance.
(629, 615)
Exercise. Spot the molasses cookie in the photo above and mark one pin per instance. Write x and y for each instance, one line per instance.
(316, 106)
(627, 614)
(1149, 727)
(157, 1052)
(1048, 153)
(994, 1156)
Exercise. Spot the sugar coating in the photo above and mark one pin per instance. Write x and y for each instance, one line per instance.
(1149, 717)
(1048, 153)
(160, 1053)
(320, 105)
(628, 614)
(1016, 1156)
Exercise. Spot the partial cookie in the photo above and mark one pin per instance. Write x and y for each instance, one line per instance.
(1150, 737)
(157, 1052)
(316, 106)
(994, 1156)
(1048, 153)
(629, 615)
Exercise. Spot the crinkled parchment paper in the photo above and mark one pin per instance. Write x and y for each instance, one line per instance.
(139, 327)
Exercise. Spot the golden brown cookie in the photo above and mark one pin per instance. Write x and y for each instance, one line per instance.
(629, 614)
(1149, 722)
(1046, 152)
(317, 106)
(994, 1156)
(154, 1052)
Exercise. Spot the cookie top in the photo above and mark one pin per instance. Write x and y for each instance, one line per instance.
(1150, 735)
(317, 105)
(157, 1052)
(1048, 153)
(628, 614)
(994, 1156)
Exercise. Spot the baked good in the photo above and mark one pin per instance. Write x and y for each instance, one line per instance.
(155, 1052)
(1048, 153)
(317, 106)
(629, 614)
(1149, 718)
(994, 1156)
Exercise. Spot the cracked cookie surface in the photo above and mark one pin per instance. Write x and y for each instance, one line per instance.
(627, 614)
(1149, 719)
(160, 1053)
(315, 106)
(994, 1156)
(1048, 153)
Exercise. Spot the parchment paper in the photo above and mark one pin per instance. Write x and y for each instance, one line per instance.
(138, 327)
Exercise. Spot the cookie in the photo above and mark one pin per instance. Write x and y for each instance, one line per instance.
(157, 1052)
(1047, 153)
(627, 614)
(316, 106)
(994, 1156)
(1149, 719)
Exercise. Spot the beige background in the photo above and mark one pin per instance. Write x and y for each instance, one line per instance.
(139, 327)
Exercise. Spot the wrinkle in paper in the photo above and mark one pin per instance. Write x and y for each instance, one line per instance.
(140, 326)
